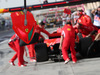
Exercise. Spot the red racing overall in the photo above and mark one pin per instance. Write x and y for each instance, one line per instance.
(69, 41)
(14, 44)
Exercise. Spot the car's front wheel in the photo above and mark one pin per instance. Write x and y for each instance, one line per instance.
(41, 52)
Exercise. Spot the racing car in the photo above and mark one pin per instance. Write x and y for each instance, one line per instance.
(49, 49)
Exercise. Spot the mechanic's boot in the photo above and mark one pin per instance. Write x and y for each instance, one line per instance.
(74, 62)
(22, 65)
(66, 61)
(32, 60)
(11, 63)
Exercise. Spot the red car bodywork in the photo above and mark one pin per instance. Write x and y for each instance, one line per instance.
(22, 30)
(51, 42)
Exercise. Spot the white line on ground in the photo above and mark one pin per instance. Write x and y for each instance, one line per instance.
(3, 41)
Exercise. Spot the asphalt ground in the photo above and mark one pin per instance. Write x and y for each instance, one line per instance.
(84, 66)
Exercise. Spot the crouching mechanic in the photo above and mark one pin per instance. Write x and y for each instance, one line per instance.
(68, 40)
(14, 44)
(39, 29)
(84, 25)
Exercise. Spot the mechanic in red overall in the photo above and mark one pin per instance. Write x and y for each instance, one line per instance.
(14, 44)
(68, 41)
(84, 19)
(39, 29)
(84, 25)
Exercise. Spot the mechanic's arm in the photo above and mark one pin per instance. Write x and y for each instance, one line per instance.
(97, 36)
(61, 41)
(85, 27)
(44, 31)
(47, 33)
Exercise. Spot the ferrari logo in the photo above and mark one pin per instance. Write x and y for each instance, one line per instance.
(26, 30)
(68, 29)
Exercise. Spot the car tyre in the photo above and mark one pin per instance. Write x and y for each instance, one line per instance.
(41, 52)
(84, 43)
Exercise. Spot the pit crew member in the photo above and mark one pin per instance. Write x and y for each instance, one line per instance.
(68, 40)
(14, 44)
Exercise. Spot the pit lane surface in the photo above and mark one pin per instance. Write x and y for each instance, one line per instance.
(82, 67)
(4, 35)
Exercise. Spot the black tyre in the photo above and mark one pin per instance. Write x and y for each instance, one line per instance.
(41, 52)
(84, 44)
(93, 49)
